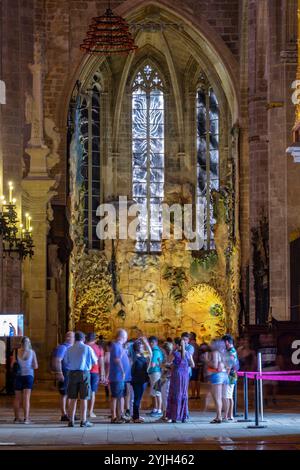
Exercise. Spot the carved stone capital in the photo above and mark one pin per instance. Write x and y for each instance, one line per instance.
(38, 161)
(37, 193)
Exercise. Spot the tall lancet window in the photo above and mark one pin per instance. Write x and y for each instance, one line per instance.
(207, 109)
(148, 156)
(87, 125)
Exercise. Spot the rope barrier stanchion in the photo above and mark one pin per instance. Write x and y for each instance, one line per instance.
(257, 424)
(261, 393)
(246, 401)
(235, 401)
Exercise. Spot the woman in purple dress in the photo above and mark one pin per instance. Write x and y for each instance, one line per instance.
(177, 408)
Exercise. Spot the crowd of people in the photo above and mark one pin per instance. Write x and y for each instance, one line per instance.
(127, 367)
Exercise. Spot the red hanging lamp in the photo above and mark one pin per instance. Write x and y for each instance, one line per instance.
(108, 34)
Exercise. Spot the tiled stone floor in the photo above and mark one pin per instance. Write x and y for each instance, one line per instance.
(47, 432)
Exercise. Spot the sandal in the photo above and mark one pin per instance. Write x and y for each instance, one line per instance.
(216, 421)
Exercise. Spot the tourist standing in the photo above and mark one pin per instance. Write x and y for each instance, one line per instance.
(154, 372)
(27, 363)
(97, 371)
(166, 376)
(177, 408)
(195, 379)
(217, 375)
(232, 367)
(106, 367)
(60, 368)
(79, 360)
(118, 373)
(139, 375)
(246, 355)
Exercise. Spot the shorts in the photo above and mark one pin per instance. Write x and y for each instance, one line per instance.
(95, 379)
(218, 378)
(118, 389)
(24, 382)
(62, 385)
(79, 383)
(155, 383)
(227, 391)
(195, 374)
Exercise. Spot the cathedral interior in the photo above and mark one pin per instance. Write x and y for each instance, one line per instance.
(203, 111)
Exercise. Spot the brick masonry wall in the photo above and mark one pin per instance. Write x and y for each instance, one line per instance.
(17, 50)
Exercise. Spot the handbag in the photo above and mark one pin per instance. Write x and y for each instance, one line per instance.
(16, 369)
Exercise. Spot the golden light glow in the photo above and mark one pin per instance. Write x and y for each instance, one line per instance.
(197, 316)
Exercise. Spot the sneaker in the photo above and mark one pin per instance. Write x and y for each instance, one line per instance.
(92, 415)
(156, 414)
(71, 424)
(126, 417)
(127, 413)
(86, 424)
(64, 418)
(27, 421)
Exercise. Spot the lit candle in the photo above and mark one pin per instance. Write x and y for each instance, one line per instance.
(26, 221)
(10, 185)
(29, 223)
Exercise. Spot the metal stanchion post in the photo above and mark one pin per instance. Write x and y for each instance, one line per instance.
(260, 382)
(235, 401)
(257, 425)
(246, 402)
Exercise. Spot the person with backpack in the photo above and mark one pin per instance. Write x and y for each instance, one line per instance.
(59, 366)
(232, 367)
(25, 363)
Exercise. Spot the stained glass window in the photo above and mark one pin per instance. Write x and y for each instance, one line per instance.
(88, 125)
(207, 157)
(148, 156)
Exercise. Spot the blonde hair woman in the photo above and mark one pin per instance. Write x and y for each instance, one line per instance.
(27, 363)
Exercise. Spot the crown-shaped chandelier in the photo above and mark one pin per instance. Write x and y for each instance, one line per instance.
(14, 237)
(108, 34)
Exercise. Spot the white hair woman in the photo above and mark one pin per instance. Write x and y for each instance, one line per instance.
(217, 375)
(26, 363)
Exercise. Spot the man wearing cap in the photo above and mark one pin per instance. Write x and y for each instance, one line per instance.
(61, 371)
(97, 371)
(79, 359)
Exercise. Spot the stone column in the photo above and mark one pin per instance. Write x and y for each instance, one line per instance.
(36, 196)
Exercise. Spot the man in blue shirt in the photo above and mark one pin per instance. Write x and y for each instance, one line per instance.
(119, 373)
(61, 371)
(79, 360)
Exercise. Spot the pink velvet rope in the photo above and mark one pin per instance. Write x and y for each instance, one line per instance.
(284, 376)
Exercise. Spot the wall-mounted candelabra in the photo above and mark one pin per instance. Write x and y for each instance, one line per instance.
(15, 237)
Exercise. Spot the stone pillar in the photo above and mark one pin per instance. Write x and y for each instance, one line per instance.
(36, 196)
